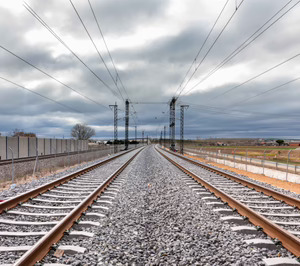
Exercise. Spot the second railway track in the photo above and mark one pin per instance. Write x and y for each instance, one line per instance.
(32, 222)
(276, 214)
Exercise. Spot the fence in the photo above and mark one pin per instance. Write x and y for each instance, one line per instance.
(286, 160)
(22, 147)
(45, 165)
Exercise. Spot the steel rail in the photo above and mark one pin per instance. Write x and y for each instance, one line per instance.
(8, 204)
(42, 247)
(288, 240)
(270, 192)
(46, 156)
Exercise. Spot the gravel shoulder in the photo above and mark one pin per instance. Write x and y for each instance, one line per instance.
(22, 188)
(281, 185)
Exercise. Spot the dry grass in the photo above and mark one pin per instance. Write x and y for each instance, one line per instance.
(293, 187)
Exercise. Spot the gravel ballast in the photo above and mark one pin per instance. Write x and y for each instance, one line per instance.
(157, 219)
(100, 174)
(22, 188)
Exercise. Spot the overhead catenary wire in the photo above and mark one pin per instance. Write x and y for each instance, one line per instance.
(264, 92)
(221, 111)
(111, 59)
(210, 48)
(95, 46)
(107, 49)
(204, 42)
(257, 76)
(244, 45)
(52, 77)
(39, 19)
(43, 96)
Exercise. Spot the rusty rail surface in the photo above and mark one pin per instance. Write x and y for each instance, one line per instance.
(288, 240)
(276, 195)
(43, 246)
(8, 204)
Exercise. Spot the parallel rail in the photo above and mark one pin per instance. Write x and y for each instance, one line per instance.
(276, 195)
(11, 203)
(42, 157)
(43, 246)
(288, 240)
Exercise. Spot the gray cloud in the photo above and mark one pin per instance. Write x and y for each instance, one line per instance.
(150, 72)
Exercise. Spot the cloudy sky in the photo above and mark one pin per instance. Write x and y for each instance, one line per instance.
(153, 44)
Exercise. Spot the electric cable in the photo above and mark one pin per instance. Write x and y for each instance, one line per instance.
(244, 45)
(39, 19)
(50, 76)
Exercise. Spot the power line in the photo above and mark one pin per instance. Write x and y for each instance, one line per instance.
(221, 111)
(244, 45)
(106, 46)
(50, 76)
(111, 58)
(255, 77)
(264, 92)
(196, 57)
(210, 48)
(43, 96)
(92, 41)
(38, 18)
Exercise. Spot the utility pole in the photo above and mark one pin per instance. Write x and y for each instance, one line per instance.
(126, 123)
(143, 133)
(182, 108)
(147, 139)
(135, 137)
(172, 123)
(164, 136)
(115, 107)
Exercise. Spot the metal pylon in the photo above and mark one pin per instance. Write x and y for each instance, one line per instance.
(172, 123)
(115, 108)
(182, 108)
(126, 123)
(164, 136)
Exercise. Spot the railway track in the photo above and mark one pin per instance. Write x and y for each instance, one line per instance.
(42, 157)
(31, 223)
(276, 214)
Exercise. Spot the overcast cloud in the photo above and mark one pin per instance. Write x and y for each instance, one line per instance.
(153, 43)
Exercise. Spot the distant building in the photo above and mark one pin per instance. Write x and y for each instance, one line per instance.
(294, 143)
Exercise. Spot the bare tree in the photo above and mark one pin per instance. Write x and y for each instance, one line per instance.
(82, 132)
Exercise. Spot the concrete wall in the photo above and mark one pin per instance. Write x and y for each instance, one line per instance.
(47, 146)
(80, 145)
(41, 146)
(63, 145)
(73, 145)
(258, 170)
(68, 142)
(13, 143)
(2, 148)
(53, 145)
(23, 147)
(58, 146)
(32, 147)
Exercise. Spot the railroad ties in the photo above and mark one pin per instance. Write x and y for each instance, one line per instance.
(73, 209)
(230, 197)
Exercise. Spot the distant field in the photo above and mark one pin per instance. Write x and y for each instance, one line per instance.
(273, 153)
(245, 147)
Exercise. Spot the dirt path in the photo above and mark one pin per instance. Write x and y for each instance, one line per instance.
(272, 181)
